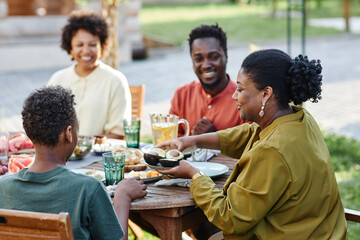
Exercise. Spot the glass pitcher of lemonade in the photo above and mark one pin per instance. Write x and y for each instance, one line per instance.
(165, 127)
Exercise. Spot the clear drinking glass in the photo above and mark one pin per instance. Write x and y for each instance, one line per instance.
(114, 163)
(132, 132)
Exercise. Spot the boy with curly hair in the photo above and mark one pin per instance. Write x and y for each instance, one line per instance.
(50, 121)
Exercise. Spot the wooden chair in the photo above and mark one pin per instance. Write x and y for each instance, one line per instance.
(352, 215)
(137, 103)
(138, 97)
(16, 224)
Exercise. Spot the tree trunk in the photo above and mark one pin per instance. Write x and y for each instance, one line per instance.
(109, 10)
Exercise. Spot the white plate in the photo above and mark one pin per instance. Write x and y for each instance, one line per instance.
(209, 168)
(86, 171)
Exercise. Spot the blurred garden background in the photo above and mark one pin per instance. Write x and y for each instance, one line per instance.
(164, 25)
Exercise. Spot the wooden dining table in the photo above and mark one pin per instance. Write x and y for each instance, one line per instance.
(165, 208)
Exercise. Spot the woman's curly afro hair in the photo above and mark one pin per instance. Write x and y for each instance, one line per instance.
(293, 80)
(86, 20)
(304, 80)
(47, 112)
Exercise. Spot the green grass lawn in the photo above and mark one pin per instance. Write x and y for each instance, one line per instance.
(242, 23)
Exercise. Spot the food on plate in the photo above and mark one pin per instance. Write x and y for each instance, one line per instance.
(174, 154)
(80, 150)
(18, 162)
(153, 156)
(170, 158)
(143, 174)
(165, 162)
(94, 174)
(137, 167)
(3, 168)
(119, 148)
(104, 147)
(133, 156)
(98, 175)
(83, 147)
(91, 172)
(19, 142)
(100, 139)
(152, 174)
(133, 160)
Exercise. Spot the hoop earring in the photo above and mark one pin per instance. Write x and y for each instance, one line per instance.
(261, 113)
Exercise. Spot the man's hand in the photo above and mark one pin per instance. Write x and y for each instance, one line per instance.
(131, 188)
(204, 125)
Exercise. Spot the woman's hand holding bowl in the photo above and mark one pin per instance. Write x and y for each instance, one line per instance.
(184, 170)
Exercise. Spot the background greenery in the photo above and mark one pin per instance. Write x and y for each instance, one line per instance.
(345, 157)
(241, 22)
(251, 23)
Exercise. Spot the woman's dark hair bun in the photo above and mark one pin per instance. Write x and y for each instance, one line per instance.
(304, 80)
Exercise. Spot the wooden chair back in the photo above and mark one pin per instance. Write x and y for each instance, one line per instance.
(352, 215)
(23, 225)
(138, 97)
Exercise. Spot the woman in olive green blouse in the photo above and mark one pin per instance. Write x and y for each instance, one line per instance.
(283, 186)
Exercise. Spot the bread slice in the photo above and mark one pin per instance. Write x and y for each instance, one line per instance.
(137, 167)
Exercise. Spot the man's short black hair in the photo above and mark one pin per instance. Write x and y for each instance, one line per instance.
(205, 31)
(46, 113)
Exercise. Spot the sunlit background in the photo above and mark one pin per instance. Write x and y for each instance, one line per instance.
(153, 50)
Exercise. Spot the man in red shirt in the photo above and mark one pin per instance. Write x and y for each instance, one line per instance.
(207, 104)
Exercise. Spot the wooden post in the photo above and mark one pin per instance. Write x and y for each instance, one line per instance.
(346, 7)
(109, 10)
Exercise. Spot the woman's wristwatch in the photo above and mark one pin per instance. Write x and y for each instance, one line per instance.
(196, 175)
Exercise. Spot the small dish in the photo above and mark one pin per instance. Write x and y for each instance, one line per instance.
(99, 149)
